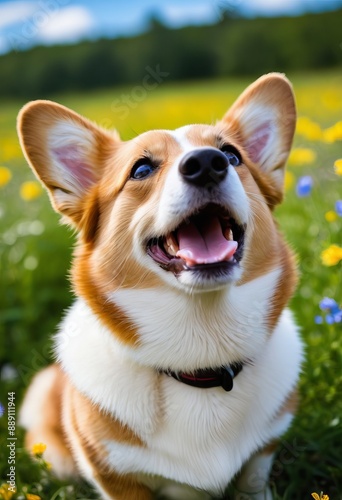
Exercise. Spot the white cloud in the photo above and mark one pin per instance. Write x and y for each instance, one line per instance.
(279, 7)
(182, 15)
(66, 25)
(4, 47)
(269, 6)
(15, 12)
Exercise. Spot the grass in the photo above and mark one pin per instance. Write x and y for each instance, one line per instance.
(35, 257)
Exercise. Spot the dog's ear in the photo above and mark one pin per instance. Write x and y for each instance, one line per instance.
(66, 152)
(264, 118)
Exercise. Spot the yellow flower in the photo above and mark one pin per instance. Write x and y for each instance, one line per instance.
(31, 496)
(309, 129)
(38, 448)
(331, 216)
(5, 176)
(30, 190)
(333, 133)
(5, 493)
(316, 496)
(10, 149)
(331, 255)
(300, 156)
(289, 180)
(338, 166)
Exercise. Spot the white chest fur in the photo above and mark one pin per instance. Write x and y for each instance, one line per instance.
(197, 436)
(204, 436)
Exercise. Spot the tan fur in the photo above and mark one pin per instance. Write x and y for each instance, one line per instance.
(48, 428)
(88, 426)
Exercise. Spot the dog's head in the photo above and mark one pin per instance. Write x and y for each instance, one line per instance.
(190, 209)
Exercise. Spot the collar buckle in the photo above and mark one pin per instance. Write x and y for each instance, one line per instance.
(227, 376)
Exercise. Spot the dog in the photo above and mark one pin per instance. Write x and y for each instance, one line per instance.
(177, 365)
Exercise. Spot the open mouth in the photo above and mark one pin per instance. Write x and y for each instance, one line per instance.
(209, 239)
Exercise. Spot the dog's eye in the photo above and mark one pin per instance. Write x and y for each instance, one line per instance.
(142, 169)
(233, 155)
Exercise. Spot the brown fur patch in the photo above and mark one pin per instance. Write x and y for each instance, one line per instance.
(291, 403)
(109, 313)
(91, 427)
(270, 448)
(51, 432)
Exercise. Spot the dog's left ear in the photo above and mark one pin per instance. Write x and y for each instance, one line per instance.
(264, 118)
(66, 152)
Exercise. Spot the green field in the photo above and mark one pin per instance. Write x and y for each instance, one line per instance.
(35, 253)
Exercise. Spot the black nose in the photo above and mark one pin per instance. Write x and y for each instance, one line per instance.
(204, 167)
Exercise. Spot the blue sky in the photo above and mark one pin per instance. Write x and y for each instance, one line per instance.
(25, 23)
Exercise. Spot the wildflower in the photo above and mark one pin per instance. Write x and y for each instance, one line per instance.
(338, 316)
(5, 176)
(333, 133)
(304, 185)
(289, 180)
(332, 310)
(31, 496)
(338, 207)
(10, 149)
(316, 496)
(309, 129)
(331, 255)
(38, 448)
(2, 409)
(5, 492)
(331, 216)
(302, 156)
(328, 304)
(329, 319)
(30, 190)
(338, 166)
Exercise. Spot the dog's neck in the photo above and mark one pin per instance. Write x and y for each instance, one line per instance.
(183, 332)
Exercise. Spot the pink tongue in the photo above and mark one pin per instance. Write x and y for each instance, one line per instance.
(204, 245)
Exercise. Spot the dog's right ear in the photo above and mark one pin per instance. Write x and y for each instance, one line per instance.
(66, 152)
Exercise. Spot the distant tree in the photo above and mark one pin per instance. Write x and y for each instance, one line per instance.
(232, 46)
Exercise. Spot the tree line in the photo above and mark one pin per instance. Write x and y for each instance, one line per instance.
(233, 46)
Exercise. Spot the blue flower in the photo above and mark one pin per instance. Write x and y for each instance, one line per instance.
(328, 304)
(333, 312)
(338, 207)
(338, 316)
(304, 185)
(330, 319)
(2, 409)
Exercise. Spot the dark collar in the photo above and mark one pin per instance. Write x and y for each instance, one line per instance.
(207, 378)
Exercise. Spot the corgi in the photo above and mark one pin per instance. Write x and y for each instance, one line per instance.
(177, 365)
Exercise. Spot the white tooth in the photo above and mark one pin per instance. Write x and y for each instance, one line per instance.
(171, 245)
(228, 234)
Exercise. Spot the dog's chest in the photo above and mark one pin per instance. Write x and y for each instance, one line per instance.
(201, 438)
